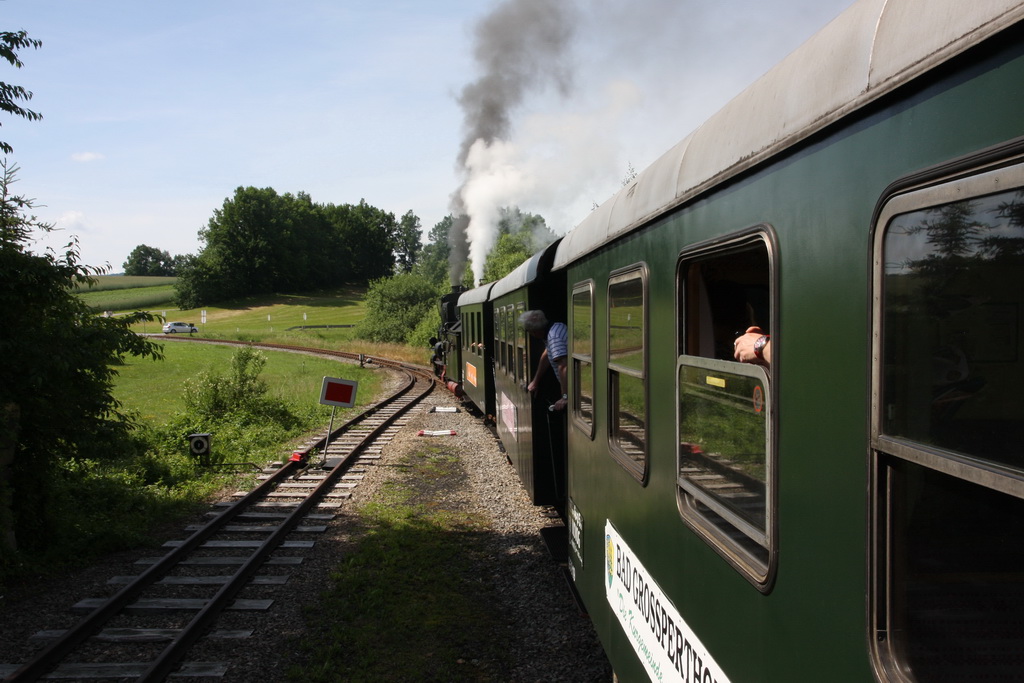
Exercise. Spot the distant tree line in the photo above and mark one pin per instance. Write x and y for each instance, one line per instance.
(147, 260)
(262, 242)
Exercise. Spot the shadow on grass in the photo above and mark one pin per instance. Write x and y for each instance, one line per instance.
(413, 602)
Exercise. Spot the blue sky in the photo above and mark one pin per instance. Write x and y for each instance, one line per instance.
(155, 112)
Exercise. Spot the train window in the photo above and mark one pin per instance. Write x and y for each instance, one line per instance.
(510, 339)
(725, 459)
(947, 422)
(582, 389)
(520, 345)
(499, 345)
(478, 336)
(627, 370)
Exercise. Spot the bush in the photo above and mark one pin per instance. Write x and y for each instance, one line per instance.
(395, 306)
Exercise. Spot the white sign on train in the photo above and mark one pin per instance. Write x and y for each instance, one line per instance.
(338, 392)
(667, 646)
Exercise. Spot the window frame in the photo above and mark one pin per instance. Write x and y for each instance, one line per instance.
(613, 371)
(578, 359)
(520, 346)
(759, 573)
(888, 454)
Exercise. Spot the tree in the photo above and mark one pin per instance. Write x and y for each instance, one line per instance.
(433, 261)
(146, 260)
(508, 253)
(59, 364)
(260, 242)
(407, 242)
(10, 95)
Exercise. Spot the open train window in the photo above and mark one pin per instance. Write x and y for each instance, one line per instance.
(947, 570)
(725, 447)
(627, 369)
(582, 390)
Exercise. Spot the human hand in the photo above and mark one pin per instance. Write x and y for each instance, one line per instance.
(743, 347)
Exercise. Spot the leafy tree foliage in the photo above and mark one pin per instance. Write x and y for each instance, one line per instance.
(395, 305)
(520, 236)
(260, 242)
(508, 253)
(59, 364)
(146, 260)
(11, 95)
(433, 259)
(407, 242)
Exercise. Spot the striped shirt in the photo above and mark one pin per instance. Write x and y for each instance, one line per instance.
(557, 342)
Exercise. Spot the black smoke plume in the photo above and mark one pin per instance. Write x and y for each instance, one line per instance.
(520, 47)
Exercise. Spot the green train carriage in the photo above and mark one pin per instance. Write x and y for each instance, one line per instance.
(853, 511)
(477, 316)
(533, 436)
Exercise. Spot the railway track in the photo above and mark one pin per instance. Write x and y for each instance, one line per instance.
(146, 628)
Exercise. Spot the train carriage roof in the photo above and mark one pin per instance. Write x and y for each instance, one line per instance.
(526, 272)
(872, 48)
(477, 295)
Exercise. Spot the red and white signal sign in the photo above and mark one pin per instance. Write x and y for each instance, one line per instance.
(338, 392)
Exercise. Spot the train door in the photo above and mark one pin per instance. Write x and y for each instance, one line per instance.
(947, 461)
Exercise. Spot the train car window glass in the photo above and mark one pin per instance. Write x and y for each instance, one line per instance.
(478, 333)
(520, 345)
(724, 442)
(582, 388)
(948, 469)
(499, 345)
(510, 339)
(953, 288)
(725, 452)
(627, 367)
(499, 342)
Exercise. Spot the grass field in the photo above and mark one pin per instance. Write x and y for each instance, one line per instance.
(154, 388)
(129, 298)
(257, 317)
(109, 282)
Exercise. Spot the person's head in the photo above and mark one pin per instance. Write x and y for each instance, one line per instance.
(534, 322)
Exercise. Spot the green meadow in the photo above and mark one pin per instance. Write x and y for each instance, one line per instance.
(154, 389)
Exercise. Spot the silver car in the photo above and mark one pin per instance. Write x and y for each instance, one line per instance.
(171, 328)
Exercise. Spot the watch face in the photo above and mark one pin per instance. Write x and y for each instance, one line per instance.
(760, 344)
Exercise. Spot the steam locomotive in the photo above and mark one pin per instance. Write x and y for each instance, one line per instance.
(852, 510)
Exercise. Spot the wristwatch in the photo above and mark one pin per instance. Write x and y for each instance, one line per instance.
(759, 345)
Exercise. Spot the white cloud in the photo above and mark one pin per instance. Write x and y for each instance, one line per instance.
(86, 157)
(73, 222)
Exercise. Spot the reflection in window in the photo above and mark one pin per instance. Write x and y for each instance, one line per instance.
(627, 371)
(520, 345)
(948, 515)
(953, 288)
(723, 448)
(582, 355)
